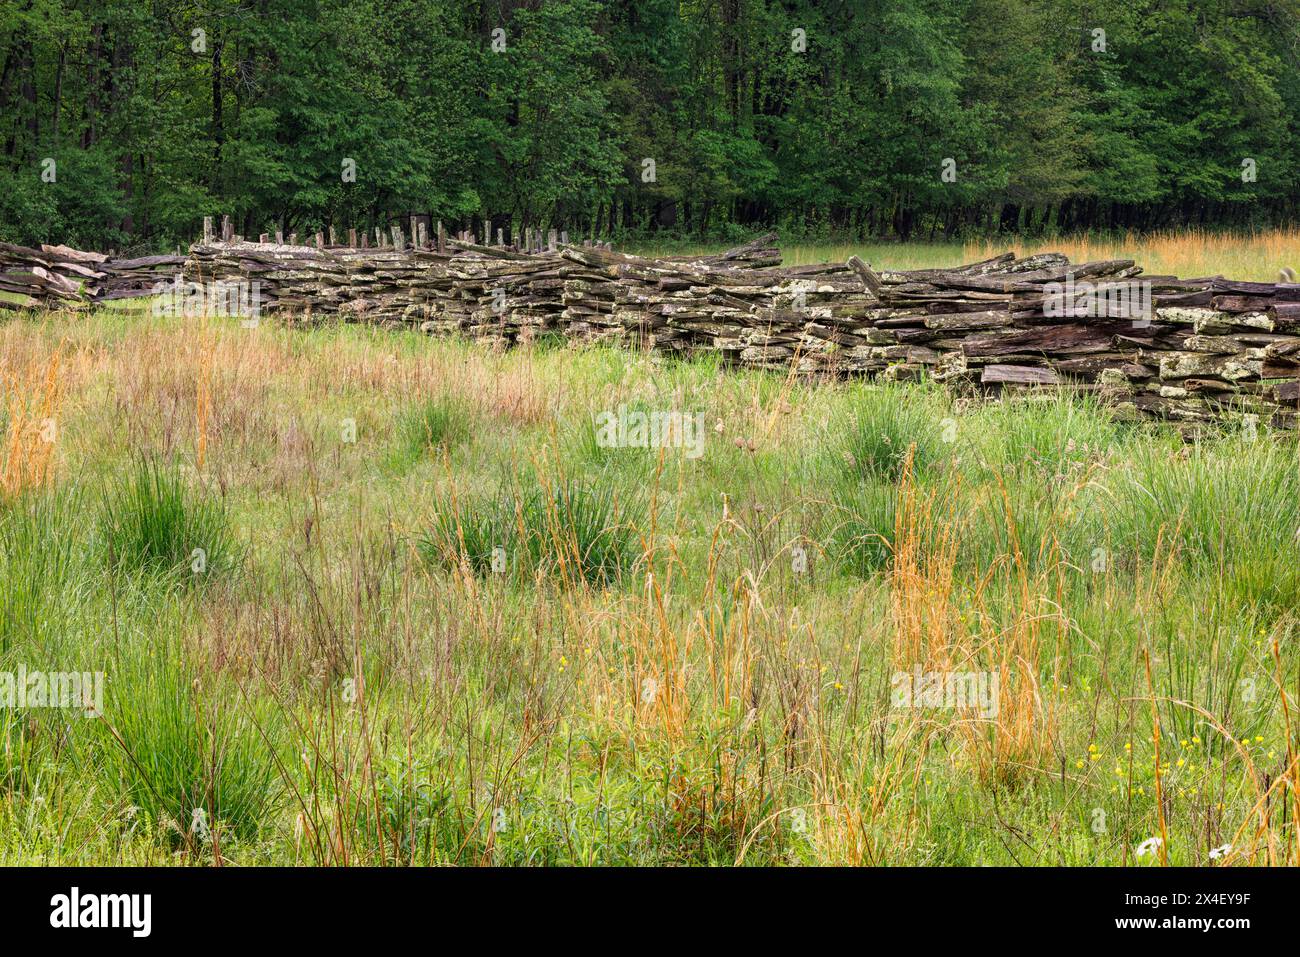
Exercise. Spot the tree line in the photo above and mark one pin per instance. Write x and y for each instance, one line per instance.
(124, 122)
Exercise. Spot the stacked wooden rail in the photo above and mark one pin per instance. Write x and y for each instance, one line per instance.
(1205, 350)
(58, 277)
(494, 293)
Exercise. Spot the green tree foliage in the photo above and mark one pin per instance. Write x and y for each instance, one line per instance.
(124, 122)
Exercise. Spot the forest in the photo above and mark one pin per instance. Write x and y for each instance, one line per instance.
(124, 122)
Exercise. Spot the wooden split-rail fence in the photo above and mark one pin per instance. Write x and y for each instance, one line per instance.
(1192, 351)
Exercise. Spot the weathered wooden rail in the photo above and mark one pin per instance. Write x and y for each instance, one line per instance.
(64, 278)
(1188, 350)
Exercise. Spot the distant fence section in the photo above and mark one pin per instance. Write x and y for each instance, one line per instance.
(57, 277)
(1187, 350)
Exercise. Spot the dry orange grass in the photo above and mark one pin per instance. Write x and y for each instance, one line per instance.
(930, 631)
(244, 404)
(1188, 253)
(31, 428)
(924, 615)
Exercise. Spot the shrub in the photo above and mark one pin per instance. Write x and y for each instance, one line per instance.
(469, 533)
(1231, 508)
(413, 810)
(577, 531)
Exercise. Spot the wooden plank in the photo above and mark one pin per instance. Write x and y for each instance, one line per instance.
(1287, 393)
(1064, 339)
(1018, 375)
(1241, 288)
(1285, 312)
(965, 321)
(869, 279)
(1242, 303)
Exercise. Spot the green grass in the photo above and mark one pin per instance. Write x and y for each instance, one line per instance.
(680, 653)
(572, 531)
(152, 522)
(194, 768)
(433, 426)
(898, 425)
(862, 538)
(38, 580)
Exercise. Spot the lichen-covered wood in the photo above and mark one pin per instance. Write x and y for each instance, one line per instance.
(64, 278)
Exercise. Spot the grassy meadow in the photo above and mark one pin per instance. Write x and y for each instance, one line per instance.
(1188, 253)
(368, 598)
